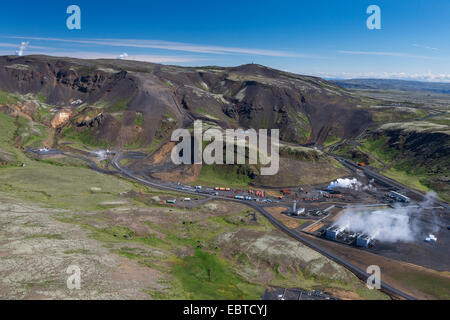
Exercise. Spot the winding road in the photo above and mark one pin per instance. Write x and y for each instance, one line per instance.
(261, 209)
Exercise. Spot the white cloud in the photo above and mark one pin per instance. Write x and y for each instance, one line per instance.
(16, 45)
(383, 53)
(163, 59)
(101, 55)
(425, 47)
(176, 46)
(427, 77)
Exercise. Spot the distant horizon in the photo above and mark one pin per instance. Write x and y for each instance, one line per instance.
(238, 65)
(390, 79)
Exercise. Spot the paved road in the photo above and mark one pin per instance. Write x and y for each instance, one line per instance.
(337, 144)
(91, 163)
(357, 271)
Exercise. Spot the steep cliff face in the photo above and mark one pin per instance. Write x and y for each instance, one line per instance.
(422, 146)
(62, 82)
(418, 149)
(305, 109)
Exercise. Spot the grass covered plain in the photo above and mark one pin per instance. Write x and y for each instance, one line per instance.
(222, 175)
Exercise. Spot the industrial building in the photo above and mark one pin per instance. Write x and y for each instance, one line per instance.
(364, 241)
(331, 191)
(294, 210)
(340, 234)
(333, 232)
(315, 212)
(397, 197)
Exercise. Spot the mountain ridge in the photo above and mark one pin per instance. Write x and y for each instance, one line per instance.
(305, 109)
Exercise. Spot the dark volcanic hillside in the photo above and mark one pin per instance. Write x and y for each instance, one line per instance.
(115, 92)
(420, 149)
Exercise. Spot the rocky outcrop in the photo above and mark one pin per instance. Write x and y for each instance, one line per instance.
(420, 148)
(61, 117)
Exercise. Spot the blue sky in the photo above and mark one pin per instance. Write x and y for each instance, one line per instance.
(328, 38)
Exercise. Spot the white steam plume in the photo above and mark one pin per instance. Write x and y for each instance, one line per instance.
(391, 225)
(22, 48)
(122, 56)
(387, 225)
(353, 184)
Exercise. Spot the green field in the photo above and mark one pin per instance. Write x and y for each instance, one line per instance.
(32, 134)
(222, 176)
(438, 287)
(378, 149)
(61, 187)
(7, 98)
(82, 137)
(206, 276)
(412, 181)
(49, 181)
(331, 139)
(7, 134)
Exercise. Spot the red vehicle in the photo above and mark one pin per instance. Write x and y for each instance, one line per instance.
(361, 164)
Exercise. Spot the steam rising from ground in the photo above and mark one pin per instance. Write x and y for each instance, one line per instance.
(22, 48)
(101, 154)
(353, 184)
(389, 225)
